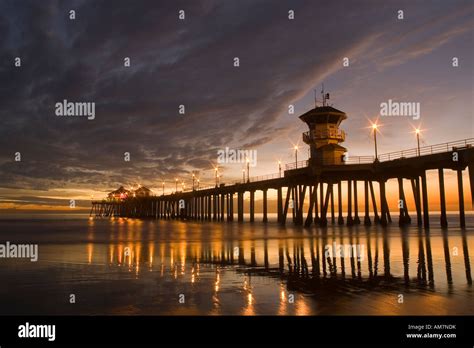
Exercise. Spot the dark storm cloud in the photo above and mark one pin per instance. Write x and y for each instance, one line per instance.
(173, 62)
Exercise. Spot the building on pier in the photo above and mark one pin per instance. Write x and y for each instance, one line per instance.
(142, 191)
(324, 135)
(119, 194)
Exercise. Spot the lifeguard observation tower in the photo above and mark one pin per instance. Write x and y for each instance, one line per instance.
(324, 135)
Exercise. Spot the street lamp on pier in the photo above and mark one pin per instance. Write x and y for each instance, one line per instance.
(296, 156)
(375, 127)
(418, 131)
(248, 170)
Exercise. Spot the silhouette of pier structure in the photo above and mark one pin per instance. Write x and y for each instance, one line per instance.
(316, 182)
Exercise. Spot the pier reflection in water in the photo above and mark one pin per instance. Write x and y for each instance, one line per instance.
(142, 267)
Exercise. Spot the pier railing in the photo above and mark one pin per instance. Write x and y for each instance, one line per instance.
(427, 150)
(390, 156)
(296, 165)
(258, 178)
(242, 181)
(348, 160)
(359, 159)
(266, 177)
(311, 136)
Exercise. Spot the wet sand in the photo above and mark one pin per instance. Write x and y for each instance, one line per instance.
(134, 267)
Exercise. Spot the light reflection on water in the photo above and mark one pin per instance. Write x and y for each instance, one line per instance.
(126, 266)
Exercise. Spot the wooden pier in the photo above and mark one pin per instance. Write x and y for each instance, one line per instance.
(314, 184)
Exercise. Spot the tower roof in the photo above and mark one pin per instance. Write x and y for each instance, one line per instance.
(120, 190)
(323, 114)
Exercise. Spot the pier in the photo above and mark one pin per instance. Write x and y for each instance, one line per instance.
(302, 183)
(306, 191)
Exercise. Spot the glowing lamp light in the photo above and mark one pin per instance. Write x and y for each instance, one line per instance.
(418, 132)
(375, 126)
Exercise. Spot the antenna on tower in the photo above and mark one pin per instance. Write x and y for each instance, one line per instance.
(322, 92)
(325, 95)
(315, 99)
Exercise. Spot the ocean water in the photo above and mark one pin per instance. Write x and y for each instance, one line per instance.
(155, 267)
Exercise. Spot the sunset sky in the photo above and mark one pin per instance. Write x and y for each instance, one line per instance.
(190, 62)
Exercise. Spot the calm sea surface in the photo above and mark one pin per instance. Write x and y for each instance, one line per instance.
(149, 267)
